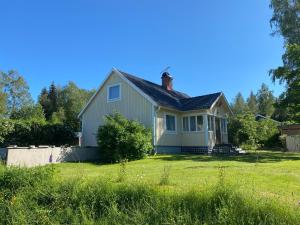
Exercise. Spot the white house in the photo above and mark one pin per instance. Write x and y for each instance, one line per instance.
(179, 123)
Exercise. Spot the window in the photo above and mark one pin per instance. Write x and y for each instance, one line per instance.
(114, 93)
(170, 123)
(210, 123)
(192, 123)
(224, 125)
(185, 123)
(199, 123)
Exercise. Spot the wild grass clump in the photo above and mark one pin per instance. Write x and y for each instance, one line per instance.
(123, 170)
(101, 202)
(165, 176)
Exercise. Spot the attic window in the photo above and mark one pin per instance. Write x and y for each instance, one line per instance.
(113, 93)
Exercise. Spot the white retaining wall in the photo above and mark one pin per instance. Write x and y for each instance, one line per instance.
(293, 143)
(29, 157)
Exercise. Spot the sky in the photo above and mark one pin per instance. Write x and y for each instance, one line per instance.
(210, 46)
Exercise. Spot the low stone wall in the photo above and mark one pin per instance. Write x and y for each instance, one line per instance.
(293, 143)
(29, 157)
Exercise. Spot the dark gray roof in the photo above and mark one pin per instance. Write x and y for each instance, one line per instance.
(172, 99)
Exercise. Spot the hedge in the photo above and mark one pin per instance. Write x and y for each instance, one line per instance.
(31, 132)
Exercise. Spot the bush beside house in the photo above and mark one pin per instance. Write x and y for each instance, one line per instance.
(121, 138)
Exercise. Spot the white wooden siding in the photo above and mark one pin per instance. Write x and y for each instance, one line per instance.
(132, 105)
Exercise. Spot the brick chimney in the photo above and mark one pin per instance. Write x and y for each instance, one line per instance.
(167, 81)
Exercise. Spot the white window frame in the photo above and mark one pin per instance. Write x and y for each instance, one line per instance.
(107, 91)
(196, 121)
(165, 118)
(188, 123)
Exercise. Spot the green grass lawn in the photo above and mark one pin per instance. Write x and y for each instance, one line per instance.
(271, 174)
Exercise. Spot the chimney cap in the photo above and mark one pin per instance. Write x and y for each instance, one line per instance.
(166, 74)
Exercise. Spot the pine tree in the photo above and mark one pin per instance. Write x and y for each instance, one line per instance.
(239, 105)
(266, 101)
(53, 98)
(252, 103)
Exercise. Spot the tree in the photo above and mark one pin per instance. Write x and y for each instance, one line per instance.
(16, 90)
(45, 103)
(266, 100)
(252, 103)
(58, 117)
(239, 105)
(2, 98)
(286, 21)
(73, 100)
(53, 96)
(30, 112)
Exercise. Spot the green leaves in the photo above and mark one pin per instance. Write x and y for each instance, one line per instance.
(121, 139)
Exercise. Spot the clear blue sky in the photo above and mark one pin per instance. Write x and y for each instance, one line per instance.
(210, 45)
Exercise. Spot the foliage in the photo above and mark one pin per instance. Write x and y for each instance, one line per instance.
(165, 176)
(62, 105)
(265, 101)
(34, 132)
(30, 112)
(121, 138)
(245, 130)
(16, 89)
(252, 103)
(286, 21)
(242, 129)
(34, 197)
(239, 105)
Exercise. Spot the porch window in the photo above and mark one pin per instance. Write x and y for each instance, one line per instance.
(170, 123)
(210, 123)
(224, 125)
(199, 123)
(185, 123)
(193, 123)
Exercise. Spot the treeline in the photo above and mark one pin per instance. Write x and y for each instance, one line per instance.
(51, 120)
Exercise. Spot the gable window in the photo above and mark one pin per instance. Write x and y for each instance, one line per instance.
(114, 93)
(185, 123)
(170, 123)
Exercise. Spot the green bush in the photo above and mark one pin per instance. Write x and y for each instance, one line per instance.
(244, 130)
(39, 199)
(121, 138)
(34, 132)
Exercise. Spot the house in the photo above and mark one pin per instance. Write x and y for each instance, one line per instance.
(292, 133)
(179, 123)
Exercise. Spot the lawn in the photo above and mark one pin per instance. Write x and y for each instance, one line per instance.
(266, 173)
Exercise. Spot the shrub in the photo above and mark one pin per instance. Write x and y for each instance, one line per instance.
(121, 138)
(244, 130)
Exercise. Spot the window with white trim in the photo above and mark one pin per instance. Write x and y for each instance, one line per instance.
(170, 123)
(114, 93)
(185, 123)
(210, 123)
(192, 123)
(199, 123)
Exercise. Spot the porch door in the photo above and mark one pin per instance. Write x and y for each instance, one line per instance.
(218, 131)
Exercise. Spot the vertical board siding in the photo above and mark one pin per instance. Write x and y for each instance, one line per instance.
(132, 105)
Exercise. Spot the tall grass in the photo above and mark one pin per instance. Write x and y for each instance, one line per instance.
(33, 196)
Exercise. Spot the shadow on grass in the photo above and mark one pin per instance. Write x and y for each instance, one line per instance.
(259, 157)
